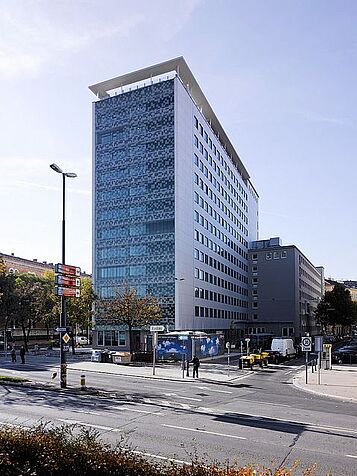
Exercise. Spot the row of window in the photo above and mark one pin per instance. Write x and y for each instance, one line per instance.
(217, 297)
(138, 270)
(209, 192)
(227, 211)
(159, 290)
(156, 227)
(111, 338)
(220, 188)
(219, 156)
(209, 261)
(276, 255)
(308, 276)
(216, 280)
(220, 313)
(201, 238)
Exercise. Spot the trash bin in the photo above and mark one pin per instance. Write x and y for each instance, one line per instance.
(121, 357)
(104, 356)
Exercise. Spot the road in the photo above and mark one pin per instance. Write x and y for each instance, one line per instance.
(260, 419)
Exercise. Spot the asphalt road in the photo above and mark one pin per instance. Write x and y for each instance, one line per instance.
(259, 419)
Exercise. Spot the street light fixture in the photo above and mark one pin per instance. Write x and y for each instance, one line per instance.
(63, 365)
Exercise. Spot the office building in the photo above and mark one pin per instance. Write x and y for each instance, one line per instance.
(173, 207)
(285, 290)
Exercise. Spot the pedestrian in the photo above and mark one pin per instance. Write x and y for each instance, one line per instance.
(196, 364)
(22, 354)
(13, 355)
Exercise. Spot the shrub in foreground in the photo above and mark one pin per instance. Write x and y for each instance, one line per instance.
(53, 451)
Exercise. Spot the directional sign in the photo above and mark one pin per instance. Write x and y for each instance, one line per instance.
(66, 338)
(67, 269)
(157, 328)
(67, 280)
(306, 344)
(61, 329)
(70, 292)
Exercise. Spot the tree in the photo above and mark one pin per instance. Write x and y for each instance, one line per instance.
(336, 308)
(127, 308)
(7, 297)
(79, 310)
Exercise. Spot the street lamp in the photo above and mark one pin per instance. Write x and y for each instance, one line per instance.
(63, 365)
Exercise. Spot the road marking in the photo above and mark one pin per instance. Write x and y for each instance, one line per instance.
(211, 390)
(87, 412)
(159, 388)
(133, 410)
(203, 431)
(77, 422)
(184, 398)
(351, 456)
(161, 457)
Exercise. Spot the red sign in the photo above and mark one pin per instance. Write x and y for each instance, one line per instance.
(67, 280)
(70, 292)
(67, 269)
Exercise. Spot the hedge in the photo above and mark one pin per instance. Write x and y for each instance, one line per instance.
(62, 451)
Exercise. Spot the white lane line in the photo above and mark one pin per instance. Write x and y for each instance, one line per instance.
(204, 431)
(212, 390)
(133, 410)
(87, 412)
(351, 456)
(150, 455)
(183, 398)
(159, 388)
(77, 422)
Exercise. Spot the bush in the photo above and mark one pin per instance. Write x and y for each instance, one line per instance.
(5, 378)
(53, 451)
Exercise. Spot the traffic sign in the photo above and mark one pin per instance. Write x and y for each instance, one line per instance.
(247, 339)
(67, 280)
(67, 269)
(318, 340)
(157, 328)
(66, 338)
(70, 292)
(61, 329)
(306, 344)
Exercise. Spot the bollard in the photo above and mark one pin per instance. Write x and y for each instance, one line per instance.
(83, 382)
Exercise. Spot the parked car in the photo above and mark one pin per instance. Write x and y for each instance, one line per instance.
(81, 340)
(346, 354)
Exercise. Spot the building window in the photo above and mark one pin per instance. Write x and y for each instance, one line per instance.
(255, 316)
(283, 254)
(276, 255)
(268, 255)
(255, 304)
(255, 256)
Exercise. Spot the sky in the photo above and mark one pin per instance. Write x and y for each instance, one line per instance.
(280, 75)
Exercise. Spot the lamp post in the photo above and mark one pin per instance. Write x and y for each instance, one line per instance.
(63, 365)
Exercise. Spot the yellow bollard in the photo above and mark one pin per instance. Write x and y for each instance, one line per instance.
(83, 382)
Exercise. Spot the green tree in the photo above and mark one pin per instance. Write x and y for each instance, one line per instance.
(336, 308)
(127, 308)
(79, 310)
(7, 297)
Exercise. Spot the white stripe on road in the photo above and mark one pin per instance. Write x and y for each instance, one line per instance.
(351, 456)
(211, 390)
(203, 431)
(184, 398)
(133, 410)
(159, 388)
(77, 422)
(161, 457)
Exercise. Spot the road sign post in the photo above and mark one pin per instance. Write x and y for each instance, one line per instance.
(306, 345)
(155, 330)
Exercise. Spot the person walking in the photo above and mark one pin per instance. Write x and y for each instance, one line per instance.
(195, 364)
(13, 355)
(22, 354)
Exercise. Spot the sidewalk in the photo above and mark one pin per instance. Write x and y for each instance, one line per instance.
(340, 382)
(208, 372)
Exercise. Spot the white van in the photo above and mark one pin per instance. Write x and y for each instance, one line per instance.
(284, 346)
(81, 340)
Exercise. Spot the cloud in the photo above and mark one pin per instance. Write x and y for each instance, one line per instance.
(318, 117)
(27, 42)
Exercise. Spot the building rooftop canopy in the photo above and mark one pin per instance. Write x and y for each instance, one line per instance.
(189, 82)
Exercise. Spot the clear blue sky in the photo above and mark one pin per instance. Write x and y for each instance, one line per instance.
(280, 75)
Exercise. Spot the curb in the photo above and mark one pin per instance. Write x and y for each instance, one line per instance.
(297, 385)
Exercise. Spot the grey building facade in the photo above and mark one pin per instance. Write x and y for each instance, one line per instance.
(173, 205)
(285, 289)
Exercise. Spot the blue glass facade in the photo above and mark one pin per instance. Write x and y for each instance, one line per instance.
(134, 180)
